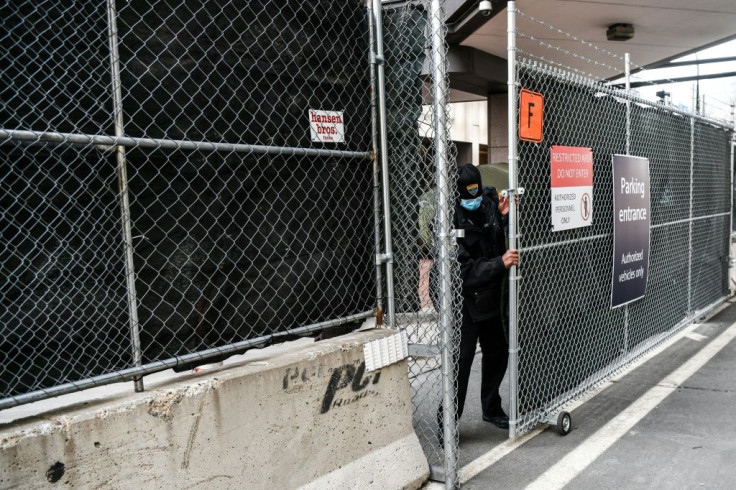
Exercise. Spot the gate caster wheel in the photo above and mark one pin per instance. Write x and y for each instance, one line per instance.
(564, 423)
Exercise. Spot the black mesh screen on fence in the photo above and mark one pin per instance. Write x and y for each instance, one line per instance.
(569, 336)
(229, 242)
(240, 246)
(56, 67)
(64, 304)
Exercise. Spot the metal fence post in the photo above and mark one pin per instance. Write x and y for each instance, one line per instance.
(690, 221)
(627, 71)
(376, 171)
(733, 143)
(123, 190)
(387, 257)
(512, 109)
(444, 191)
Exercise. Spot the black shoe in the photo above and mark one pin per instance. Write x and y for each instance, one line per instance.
(500, 421)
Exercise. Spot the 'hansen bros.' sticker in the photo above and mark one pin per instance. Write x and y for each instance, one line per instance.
(327, 126)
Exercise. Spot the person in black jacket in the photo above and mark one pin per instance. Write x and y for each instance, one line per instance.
(484, 262)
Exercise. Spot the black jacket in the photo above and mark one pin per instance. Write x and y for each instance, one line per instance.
(479, 253)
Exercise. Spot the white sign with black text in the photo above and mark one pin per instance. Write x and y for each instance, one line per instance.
(572, 187)
(327, 126)
(631, 229)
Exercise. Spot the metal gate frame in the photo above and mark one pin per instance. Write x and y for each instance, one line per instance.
(520, 423)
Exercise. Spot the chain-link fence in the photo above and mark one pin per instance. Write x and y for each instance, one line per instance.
(422, 198)
(180, 181)
(569, 336)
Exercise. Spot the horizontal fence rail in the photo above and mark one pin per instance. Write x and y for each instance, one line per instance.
(185, 359)
(115, 141)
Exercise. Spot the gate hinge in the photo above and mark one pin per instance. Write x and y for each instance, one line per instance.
(422, 350)
(384, 259)
(377, 60)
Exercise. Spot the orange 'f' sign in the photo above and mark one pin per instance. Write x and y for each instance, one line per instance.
(531, 109)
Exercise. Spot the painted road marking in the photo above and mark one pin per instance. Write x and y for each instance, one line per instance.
(494, 455)
(586, 453)
(696, 336)
(490, 458)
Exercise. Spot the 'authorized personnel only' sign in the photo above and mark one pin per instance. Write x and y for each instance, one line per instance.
(572, 187)
(327, 126)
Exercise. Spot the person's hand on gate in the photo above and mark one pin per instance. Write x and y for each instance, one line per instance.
(511, 257)
(503, 203)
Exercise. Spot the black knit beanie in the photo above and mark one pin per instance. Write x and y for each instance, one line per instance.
(469, 184)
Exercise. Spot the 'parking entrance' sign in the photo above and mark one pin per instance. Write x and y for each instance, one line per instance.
(631, 229)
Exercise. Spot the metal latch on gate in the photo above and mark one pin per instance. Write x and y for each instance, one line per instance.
(519, 191)
(422, 350)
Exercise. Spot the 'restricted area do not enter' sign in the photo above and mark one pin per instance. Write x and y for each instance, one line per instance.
(571, 187)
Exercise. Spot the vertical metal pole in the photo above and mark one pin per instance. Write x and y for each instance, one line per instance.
(695, 99)
(690, 222)
(513, 328)
(627, 71)
(697, 85)
(123, 191)
(445, 190)
(381, 79)
(376, 176)
(733, 143)
(730, 232)
(732, 191)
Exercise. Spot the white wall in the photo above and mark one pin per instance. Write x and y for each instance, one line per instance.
(469, 124)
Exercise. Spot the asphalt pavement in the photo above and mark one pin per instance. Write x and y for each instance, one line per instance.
(670, 422)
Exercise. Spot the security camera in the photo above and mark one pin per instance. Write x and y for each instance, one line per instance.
(485, 8)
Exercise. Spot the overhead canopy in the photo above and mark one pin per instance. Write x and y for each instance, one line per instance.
(664, 30)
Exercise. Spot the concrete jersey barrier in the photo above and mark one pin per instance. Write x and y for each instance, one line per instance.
(311, 418)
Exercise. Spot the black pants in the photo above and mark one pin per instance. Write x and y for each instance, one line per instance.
(495, 351)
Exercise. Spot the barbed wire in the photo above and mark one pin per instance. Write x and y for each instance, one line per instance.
(720, 109)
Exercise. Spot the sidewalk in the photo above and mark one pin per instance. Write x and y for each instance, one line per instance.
(669, 423)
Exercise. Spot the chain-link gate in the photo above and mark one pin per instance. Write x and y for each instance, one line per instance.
(181, 181)
(422, 170)
(566, 337)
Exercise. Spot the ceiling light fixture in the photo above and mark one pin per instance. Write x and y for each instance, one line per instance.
(620, 32)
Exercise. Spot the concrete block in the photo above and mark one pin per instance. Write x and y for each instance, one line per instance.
(310, 418)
